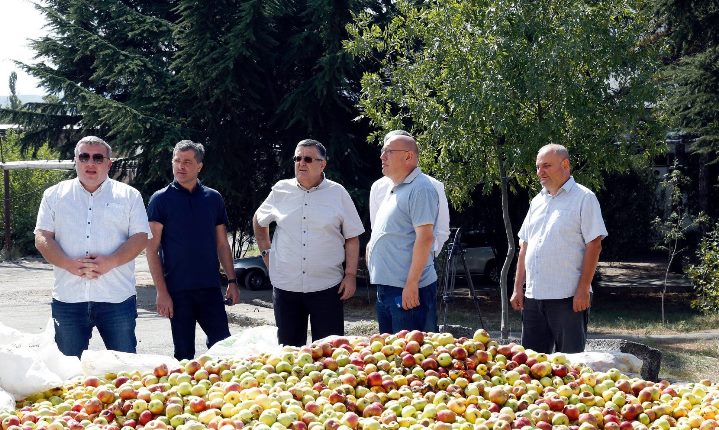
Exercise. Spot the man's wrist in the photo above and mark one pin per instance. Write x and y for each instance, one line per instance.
(232, 281)
(350, 273)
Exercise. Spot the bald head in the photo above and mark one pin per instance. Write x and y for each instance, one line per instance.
(555, 149)
(553, 167)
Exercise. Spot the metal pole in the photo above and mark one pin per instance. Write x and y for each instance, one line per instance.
(6, 183)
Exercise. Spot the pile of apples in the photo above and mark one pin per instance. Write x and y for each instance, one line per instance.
(407, 380)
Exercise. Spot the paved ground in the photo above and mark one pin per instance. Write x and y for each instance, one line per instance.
(26, 286)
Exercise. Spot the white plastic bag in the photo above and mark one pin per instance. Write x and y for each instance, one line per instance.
(7, 401)
(99, 363)
(601, 361)
(248, 342)
(32, 362)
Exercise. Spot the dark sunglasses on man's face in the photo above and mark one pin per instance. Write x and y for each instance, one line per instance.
(306, 159)
(96, 158)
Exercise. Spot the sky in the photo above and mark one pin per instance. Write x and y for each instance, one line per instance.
(19, 21)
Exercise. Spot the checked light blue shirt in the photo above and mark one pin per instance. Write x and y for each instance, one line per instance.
(556, 231)
(411, 204)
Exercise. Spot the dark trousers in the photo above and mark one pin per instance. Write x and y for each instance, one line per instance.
(324, 309)
(553, 326)
(114, 321)
(391, 318)
(205, 307)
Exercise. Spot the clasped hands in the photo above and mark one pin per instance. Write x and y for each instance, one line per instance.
(91, 267)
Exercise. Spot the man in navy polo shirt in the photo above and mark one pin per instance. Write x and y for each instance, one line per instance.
(188, 223)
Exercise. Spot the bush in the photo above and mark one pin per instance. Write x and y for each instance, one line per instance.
(705, 274)
(26, 188)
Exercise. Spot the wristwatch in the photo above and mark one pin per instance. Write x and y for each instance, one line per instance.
(266, 252)
(232, 281)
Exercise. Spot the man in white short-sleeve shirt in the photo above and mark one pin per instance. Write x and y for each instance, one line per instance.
(560, 241)
(317, 231)
(90, 229)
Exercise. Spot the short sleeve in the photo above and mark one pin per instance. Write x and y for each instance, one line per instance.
(351, 222)
(523, 234)
(424, 206)
(155, 210)
(46, 212)
(442, 217)
(265, 213)
(138, 216)
(221, 216)
(591, 217)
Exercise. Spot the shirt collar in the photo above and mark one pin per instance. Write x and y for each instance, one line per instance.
(319, 186)
(176, 185)
(412, 175)
(567, 187)
(97, 191)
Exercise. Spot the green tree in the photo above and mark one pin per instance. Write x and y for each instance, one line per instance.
(673, 228)
(249, 79)
(485, 83)
(689, 82)
(26, 188)
(705, 274)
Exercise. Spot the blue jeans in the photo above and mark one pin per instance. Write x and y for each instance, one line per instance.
(205, 307)
(114, 321)
(392, 318)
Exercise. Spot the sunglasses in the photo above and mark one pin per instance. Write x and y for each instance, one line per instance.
(306, 159)
(96, 158)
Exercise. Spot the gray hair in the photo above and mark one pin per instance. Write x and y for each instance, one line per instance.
(557, 149)
(394, 133)
(311, 142)
(93, 140)
(188, 145)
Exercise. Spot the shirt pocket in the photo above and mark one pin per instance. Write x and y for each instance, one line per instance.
(114, 216)
(562, 222)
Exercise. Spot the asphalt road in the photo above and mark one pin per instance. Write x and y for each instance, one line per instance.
(26, 292)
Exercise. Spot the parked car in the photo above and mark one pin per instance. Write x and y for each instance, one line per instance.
(480, 255)
(252, 273)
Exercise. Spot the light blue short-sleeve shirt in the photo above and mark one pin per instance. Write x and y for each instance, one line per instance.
(411, 204)
(556, 231)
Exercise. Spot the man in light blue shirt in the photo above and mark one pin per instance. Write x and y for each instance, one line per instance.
(560, 242)
(399, 254)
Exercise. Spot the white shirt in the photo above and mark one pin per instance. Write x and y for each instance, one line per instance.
(87, 224)
(381, 189)
(556, 231)
(308, 245)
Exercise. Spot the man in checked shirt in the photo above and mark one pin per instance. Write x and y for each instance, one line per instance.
(560, 242)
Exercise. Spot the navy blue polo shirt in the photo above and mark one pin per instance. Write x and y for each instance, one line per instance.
(188, 244)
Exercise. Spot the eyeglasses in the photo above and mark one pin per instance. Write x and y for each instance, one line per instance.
(390, 151)
(306, 159)
(96, 158)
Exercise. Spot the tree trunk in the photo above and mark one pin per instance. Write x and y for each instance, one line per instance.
(511, 248)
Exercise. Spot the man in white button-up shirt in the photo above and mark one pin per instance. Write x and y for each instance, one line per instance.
(560, 242)
(91, 228)
(317, 230)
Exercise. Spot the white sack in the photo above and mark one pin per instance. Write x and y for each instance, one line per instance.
(601, 361)
(32, 363)
(98, 363)
(248, 342)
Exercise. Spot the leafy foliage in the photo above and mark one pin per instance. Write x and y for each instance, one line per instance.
(690, 80)
(705, 274)
(467, 76)
(26, 188)
(672, 229)
(248, 79)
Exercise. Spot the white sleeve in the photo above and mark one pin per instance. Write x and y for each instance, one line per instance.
(375, 199)
(46, 212)
(265, 213)
(442, 217)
